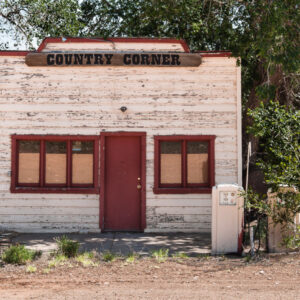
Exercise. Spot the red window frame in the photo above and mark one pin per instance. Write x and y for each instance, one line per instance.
(42, 187)
(184, 187)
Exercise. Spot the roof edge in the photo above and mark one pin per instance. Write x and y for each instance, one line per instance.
(219, 53)
(14, 52)
(113, 40)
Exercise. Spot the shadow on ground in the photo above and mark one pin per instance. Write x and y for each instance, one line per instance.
(192, 244)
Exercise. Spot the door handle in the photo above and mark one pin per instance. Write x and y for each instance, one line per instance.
(138, 186)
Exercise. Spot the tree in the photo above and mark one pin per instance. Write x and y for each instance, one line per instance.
(29, 21)
(278, 130)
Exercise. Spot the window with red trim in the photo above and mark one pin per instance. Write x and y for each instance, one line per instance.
(184, 164)
(55, 164)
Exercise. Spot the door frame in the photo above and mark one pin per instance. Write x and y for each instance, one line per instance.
(142, 136)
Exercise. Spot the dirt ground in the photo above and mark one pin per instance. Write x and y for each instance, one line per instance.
(270, 277)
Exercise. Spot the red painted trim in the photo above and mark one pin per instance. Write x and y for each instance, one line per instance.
(13, 53)
(184, 163)
(156, 163)
(211, 158)
(50, 188)
(240, 240)
(55, 190)
(52, 137)
(114, 40)
(69, 164)
(16, 150)
(142, 135)
(102, 180)
(184, 188)
(96, 162)
(14, 163)
(143, 181)
(42, 163)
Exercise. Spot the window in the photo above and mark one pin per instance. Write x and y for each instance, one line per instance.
(184, 164)
(55, 164)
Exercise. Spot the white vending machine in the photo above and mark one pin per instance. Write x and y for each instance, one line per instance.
(227, 218)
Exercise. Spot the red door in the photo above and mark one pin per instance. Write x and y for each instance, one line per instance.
(122, 181)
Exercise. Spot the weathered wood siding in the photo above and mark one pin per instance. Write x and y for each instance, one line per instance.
(165, 101)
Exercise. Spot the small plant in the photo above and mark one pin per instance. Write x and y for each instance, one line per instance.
(160, 255)
(131, 257)
(204, 256)
(86, 259)
(108, 256)
(247, 258)
(222, 257)
(18, 254)
(67, 247)
(46, 271)
(31, 269)
(291, 237)
(180, 255)
(58, 260)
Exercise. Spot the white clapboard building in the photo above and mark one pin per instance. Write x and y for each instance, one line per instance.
(121, 134)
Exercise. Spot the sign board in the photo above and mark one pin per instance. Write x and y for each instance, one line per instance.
(96, 59)
(227, 198)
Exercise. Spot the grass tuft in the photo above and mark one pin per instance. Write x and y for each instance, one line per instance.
(160, 255)
(108, 256)
(58, 260)
(180, 255)
(205, 256)
(86, 259)
(46, 271)
(18, 254)
(67, 247)
(131, 257)
(31, 269)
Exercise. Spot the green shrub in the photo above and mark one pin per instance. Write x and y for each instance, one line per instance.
(18, 254)
(108, 256)
(277, 127)
(67, 247)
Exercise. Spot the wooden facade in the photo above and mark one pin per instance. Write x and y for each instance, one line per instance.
(86, 101)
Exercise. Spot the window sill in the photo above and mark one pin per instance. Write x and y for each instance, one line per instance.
(53, 190)
(203, 190)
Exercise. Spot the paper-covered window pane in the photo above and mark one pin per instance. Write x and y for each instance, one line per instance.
(170, 162)
(82, 162)
(56, 162)
(197, 162)
(29, 162)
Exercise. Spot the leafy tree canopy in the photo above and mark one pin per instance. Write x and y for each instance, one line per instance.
(29, 21)
(278, 129)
